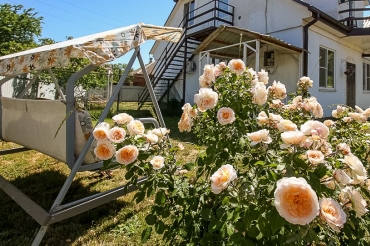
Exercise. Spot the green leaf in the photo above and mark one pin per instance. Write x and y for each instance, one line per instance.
(207, 214)
(139, 196)
(160, 198)
(261, 163)
(253, 231)
(145, 235)
(320, 170)
(160, 227)
(276, 221)
(151, 219)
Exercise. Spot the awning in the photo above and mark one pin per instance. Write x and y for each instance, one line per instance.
(98, 48)
(230, 35)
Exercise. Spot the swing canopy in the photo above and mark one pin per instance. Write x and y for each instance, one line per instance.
(99, 48)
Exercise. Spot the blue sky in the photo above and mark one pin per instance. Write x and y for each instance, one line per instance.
(79, 18)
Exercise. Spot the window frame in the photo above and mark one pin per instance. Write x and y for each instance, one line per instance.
(326, 69)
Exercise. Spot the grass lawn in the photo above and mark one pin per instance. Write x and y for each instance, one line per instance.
(119, 222)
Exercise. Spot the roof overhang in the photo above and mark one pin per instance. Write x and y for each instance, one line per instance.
(230, 35)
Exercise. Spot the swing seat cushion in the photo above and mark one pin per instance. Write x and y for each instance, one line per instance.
(34, 124)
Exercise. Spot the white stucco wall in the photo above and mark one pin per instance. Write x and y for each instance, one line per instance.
(344, 51)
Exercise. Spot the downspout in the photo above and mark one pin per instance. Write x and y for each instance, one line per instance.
(305, 42)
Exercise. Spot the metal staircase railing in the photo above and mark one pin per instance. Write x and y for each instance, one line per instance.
(172, 62)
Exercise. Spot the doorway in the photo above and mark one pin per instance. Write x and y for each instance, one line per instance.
(351, 84)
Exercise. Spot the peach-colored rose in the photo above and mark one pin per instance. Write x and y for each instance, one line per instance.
(262, 118)
(313, 127)
(329, 123)
(359, 109)
(277, 103)
(188, 109)
(347, 119)
(135, 127)
(225, 116)
(296, 201)
(263, 77)
(358, 170)
(104, 150)
(185, 123)
(291, 138)
(342, 177)
(305, 83)
(203, 83)
(315, 156)
(358, 117)
(116, 134)
(286, 125)
(100, 132)
(259, 94)
(151, 138)
(366, 112)
(344, 148)
(237, 66)
(208, 74)
(127, 154)
(206, 99)
(332, 213)
(122, 118)
(157, 162)
(259, 136)
(277, 90)
(358, 202)
(222, 178)
(160, 132)
(317, 110)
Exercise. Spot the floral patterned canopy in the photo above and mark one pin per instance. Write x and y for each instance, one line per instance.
(98, 48)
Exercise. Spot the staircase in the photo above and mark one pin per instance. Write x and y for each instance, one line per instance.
(172, 63)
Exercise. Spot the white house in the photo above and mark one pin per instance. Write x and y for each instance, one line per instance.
(325, 40)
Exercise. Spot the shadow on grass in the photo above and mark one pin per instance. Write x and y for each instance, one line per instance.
(19, 228)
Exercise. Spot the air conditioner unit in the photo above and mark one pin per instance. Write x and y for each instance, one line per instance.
(190, 67)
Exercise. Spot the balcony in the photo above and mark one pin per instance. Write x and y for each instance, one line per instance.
(200, 22)
(353, 17)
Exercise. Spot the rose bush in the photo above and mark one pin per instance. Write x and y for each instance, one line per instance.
(271, 173)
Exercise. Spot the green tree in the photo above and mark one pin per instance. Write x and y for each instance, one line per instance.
(19, 28)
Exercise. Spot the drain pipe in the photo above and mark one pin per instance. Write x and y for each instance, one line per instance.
(305, 42)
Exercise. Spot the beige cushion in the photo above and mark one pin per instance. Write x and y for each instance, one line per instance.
(34, 124)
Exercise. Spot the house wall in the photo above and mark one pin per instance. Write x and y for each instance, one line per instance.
(344, 51)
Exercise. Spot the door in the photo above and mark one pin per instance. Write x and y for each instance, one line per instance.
(351, 84)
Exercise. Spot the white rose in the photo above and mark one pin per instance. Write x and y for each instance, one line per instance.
(296, 201)
(122, 118)
(332, 213)
(342, 177)
(206, 99)
(135, 127)
(157, 162)
(259, 94)
(222, 178)
(291, 138)
(344, 148)
(358, 202)
(358, 117)
(262, 118)
(277, 90)
(313, 127)
(259, 136)
(225, 116)
(263, 77)
(358, 169)
(208, 74)
(286, 125)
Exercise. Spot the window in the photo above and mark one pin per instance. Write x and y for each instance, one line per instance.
(366, 77)
(189, 10)
(224, 5)
(326, 64)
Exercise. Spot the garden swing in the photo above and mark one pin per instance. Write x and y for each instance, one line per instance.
(43, 117)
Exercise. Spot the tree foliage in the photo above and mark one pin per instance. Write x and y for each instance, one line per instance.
(19, 28)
